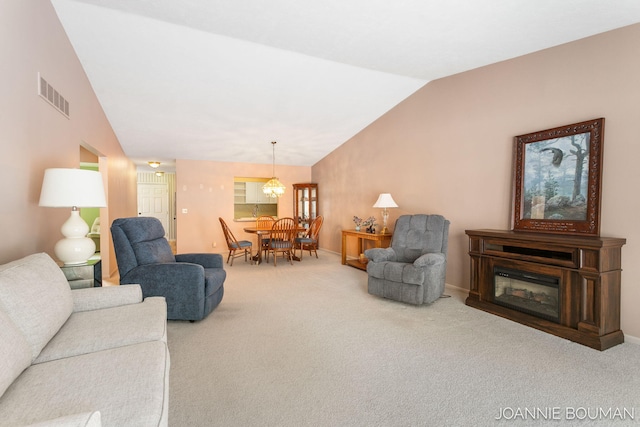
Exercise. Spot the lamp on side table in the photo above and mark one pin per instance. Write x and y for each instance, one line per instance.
(385, 201)
(73, 188)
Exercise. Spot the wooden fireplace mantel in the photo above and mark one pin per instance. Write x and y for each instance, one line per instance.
(589, 269)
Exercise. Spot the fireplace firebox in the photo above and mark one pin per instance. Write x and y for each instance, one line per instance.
(532, 293)
(566, 285)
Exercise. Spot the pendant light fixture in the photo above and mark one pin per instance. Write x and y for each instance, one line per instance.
(273, 187)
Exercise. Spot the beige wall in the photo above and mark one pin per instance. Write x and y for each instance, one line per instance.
(448, 148)
(205, 189)
(34, 136)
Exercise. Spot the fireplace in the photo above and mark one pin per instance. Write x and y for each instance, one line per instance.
(565, 285)
(532, 293)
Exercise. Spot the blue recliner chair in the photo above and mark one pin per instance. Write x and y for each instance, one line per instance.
(191, 283)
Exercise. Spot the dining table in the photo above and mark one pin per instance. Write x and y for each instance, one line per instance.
(261, 233)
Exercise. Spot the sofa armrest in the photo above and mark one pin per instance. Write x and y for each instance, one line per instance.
(203, 259)
(104, 297)
(85, 419)
(380, 254)
(429, 259)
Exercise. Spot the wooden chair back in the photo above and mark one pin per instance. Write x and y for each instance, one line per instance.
(310, 241)
(244, 247)
(314, 228)
(281, 238)
(232, 242)
(265, 222)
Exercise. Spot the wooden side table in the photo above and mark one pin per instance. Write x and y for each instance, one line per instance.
(87, 275)
(378, 239)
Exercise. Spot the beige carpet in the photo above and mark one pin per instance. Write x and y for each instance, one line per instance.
(306, 345)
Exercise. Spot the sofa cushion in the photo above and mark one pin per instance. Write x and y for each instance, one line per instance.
(96, 330)
(36, 296)
(127, 385)
(15, 353)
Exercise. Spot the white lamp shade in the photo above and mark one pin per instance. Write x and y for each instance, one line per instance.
(66, 188)
(385, 201)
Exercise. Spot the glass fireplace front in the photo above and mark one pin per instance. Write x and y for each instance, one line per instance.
(530, 293)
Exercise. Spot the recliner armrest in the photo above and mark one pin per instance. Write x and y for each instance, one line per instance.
(429, 259)
(165, 274)
(204, 259)
(185, 280)
(380, 254)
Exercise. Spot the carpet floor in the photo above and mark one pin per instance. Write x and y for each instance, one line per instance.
(306, 345)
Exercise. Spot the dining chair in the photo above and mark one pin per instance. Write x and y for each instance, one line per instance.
(281, 239)
(234, 245)
(310, 240)
(264, 222)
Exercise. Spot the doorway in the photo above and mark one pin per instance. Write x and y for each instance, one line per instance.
(153, 201)
(97, 219)
(89, 161)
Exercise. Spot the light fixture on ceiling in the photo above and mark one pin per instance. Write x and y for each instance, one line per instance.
(273, 187)
(154, 164)
(385, 201)
(159, 173)
(73, 188)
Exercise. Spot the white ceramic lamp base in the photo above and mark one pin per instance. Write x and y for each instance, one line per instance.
(76, 247)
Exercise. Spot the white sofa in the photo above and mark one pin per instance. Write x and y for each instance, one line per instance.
(87, 357)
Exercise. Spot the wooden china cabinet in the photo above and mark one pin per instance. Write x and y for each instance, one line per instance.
(305, 203)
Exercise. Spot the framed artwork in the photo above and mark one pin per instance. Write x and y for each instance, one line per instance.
(557, 179)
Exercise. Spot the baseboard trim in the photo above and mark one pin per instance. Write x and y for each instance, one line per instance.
(456, 288)
(631, 339)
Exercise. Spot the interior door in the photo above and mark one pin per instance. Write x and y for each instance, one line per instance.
(153, 201)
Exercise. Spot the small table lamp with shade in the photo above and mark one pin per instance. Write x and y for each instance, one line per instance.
(385, 201)
(73, 188)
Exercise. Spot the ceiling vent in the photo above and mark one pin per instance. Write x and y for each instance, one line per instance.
(49, 94)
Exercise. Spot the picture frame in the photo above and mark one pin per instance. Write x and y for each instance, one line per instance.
(557, 179)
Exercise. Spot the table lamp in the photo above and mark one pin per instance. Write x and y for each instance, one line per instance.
(73, 188)
(385, 201)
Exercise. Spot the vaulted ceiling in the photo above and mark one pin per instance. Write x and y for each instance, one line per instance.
(220, 79)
